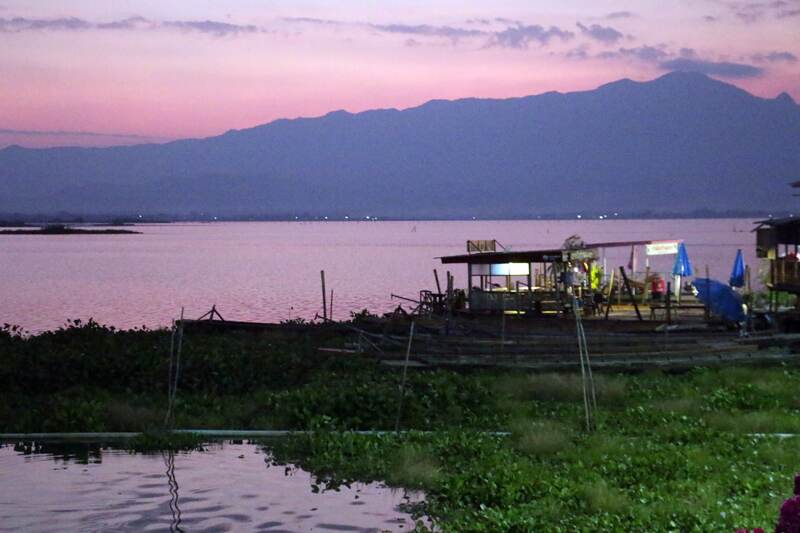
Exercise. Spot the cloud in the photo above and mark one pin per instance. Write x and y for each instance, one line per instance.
(20, 24)
(521, 36)
(510, 22)
(645, 53)
(66, 133)
(311, 20)
(754, 11)
(604, 34)
(774, 57)
(709, 18)
(620, 15)
(722, 69)
(219, 29)
(514, 35)
(132, 23)
(448, 32)
(581, 52)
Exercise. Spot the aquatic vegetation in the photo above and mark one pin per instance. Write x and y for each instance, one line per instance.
(493, 451)
(157, 441)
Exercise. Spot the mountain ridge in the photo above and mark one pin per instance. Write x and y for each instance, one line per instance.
(616, 146)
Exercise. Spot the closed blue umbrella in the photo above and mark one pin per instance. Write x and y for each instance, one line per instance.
(682, 266)
(737, 274)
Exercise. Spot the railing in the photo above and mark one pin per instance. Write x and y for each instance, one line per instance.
(498, 301)
(784, 271)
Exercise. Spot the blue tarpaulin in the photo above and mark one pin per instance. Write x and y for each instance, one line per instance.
(737, 274)
(682, 266)
(720, 299)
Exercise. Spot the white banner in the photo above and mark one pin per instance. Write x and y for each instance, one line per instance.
(662, 248)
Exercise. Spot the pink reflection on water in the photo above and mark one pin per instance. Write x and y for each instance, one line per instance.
(228, 488)
(269, 271)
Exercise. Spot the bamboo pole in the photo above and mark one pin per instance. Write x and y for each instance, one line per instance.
(403, 382)
(706, 310)
(324, 303)
(610, 289)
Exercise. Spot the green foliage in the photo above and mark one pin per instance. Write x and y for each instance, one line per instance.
(671, 453)
(157, 441)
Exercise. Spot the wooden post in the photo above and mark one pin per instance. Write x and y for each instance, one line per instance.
(747, 279)
(324, 303)
(330, 314)
(646, 291)
(469, 279)
(436, 277)
(630, 292)
(667, 302)
(608, 297)
(403, 382)
(706, 310)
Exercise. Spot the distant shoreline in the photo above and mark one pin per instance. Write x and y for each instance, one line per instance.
(36, 221)
(68, 231)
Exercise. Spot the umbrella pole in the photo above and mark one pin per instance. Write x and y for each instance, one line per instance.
(706, 312)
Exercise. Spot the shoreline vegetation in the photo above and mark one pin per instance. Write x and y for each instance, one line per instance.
(61, 229)
(692, 451)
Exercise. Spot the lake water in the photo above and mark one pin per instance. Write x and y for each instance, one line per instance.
(227, 488)
(270, 271)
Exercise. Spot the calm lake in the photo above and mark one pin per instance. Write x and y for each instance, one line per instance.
(270, 271)
(229, 487)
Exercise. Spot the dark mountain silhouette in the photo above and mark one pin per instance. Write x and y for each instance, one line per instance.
(678, 143)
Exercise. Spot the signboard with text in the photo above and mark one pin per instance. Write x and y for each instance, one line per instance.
(662, 248)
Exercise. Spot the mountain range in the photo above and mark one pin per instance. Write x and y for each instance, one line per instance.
(679, 143)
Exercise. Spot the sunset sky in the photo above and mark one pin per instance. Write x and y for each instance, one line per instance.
(130, 71)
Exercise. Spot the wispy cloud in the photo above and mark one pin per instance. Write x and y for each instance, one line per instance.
(688, 60)
(620, 15)
(604, 34)
(211, 27)
(522, 36)
(20, 24)
(67, 133)
(645, 53)
(447, 32)
(218, 29)
(755, 11)
(515, 34)
(774, 57)
(722, 69)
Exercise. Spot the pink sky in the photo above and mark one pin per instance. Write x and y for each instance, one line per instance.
(137, 71)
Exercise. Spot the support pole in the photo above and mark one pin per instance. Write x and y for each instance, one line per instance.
(436, 277)
(609, 293)
(668, 302)
(324, 303)
(630, 292)
(403, 381)
(706, 310)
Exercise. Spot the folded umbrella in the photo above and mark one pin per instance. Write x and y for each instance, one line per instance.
(737, 274)
(720, 299)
